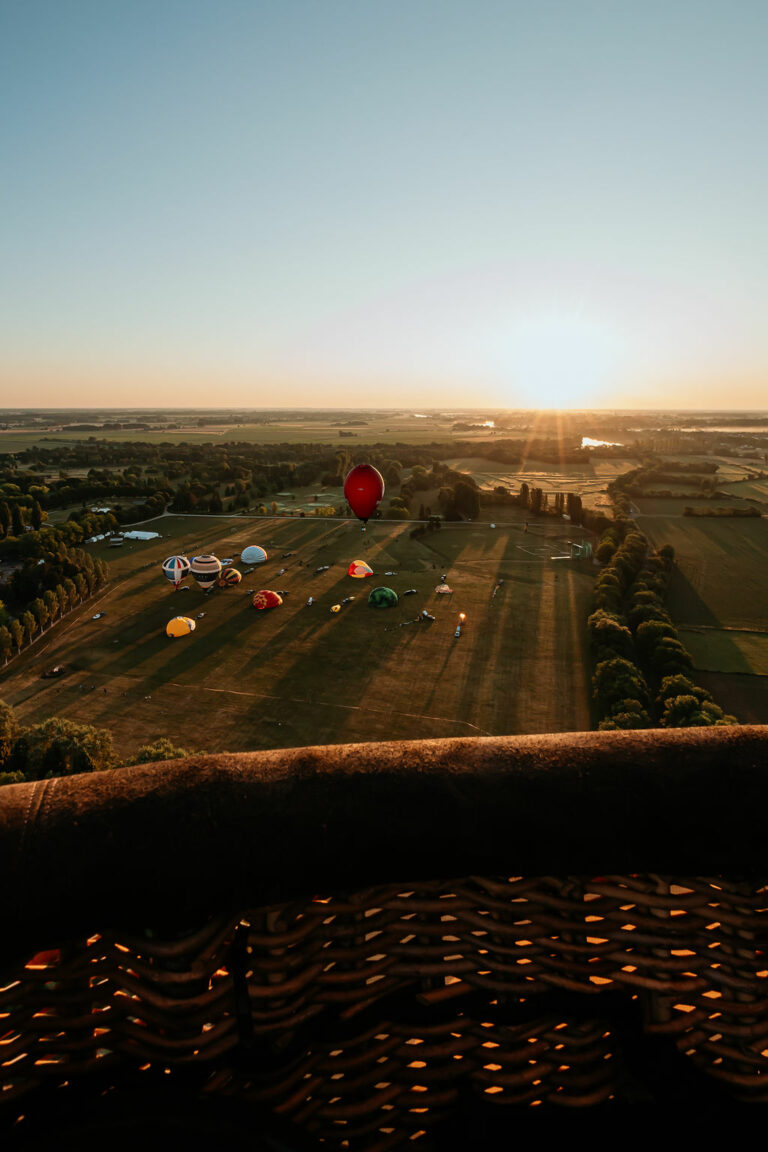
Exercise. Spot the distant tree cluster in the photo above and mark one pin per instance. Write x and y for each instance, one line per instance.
(740, 513)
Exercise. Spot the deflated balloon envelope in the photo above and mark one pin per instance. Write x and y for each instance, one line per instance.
(266, 598)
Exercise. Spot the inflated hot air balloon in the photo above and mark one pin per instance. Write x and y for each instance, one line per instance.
(382, 598)
(359, 569)
(229, 577)
(205, 569)
(175, 569)
(266, 598)
(179, 626)
(363, 489)
(253, 555)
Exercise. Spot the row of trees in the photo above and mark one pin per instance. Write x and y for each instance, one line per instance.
(749, 512)
(45, 610)
(50, 577)
(58, 747)
(17, 516)
(642, 674)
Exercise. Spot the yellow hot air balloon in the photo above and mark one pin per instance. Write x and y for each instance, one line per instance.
(179, 626)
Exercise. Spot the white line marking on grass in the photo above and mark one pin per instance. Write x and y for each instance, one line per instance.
(329, 704)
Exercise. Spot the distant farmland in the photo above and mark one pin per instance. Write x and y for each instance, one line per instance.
(301, 675)
(588, 480)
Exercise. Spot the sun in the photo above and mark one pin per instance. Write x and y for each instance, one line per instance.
(561, 359)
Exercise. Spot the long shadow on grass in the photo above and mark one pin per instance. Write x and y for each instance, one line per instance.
(699, 613)
(201, 651)
(692, 609)
(347, 655)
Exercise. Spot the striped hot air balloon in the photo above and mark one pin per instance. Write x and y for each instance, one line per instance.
(266, 598)
(359, 570)
(205, 569)
(179, 626)
(175, 569)
(229, 577)
(253, 554)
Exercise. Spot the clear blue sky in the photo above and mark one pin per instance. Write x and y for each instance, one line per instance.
(423, 203)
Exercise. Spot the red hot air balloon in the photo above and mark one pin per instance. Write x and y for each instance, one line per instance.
(363, 489)
(266, 598)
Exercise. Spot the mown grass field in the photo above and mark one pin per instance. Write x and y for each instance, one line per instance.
(718, 594)
(301, 675)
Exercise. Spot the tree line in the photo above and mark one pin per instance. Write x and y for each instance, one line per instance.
(59, 747)
(642, 672)
(52, 577)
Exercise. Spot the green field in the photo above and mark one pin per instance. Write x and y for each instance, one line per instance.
(301, 675)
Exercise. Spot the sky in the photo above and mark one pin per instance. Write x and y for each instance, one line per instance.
(416, 203)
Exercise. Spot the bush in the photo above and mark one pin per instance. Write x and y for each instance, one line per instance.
(161, 749)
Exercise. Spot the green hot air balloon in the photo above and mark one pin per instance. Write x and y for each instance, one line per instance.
(382, 598)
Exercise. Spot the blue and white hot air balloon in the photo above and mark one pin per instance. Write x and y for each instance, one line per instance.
(253, 554)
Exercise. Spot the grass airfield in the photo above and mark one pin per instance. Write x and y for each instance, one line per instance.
(299, 675)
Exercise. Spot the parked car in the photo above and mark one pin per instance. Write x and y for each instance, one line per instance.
(57, 670)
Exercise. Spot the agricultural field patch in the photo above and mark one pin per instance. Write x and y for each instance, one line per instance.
(727, 650)
(743, 696)
(720, 576)
(668, 507)
(732, 468)
(753, 491)
(301, 675)
(590, 481)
